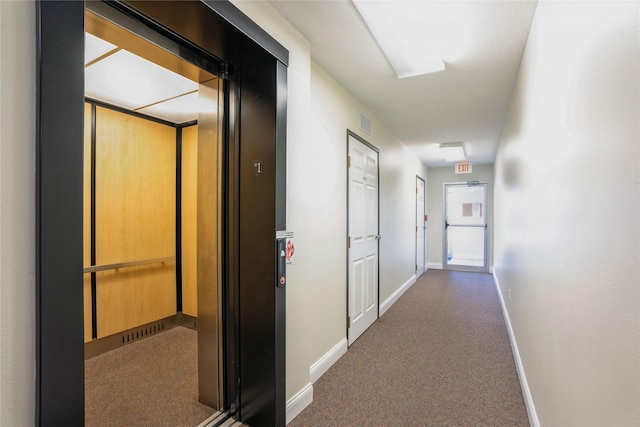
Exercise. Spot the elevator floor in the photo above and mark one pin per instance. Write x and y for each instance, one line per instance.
(152, 382)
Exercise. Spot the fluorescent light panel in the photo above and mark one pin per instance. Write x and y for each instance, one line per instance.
(95, 47)
(417, 37)
(452, 151)
(131, 82)
(182, 109)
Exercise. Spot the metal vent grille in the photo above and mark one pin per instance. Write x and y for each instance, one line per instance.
(365, 124)
(96, 347)
(151, 329)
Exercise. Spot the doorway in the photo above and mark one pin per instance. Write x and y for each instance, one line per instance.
(420, 228)
(465, 239)
(152, 182)
(252, 67)
(363, 236)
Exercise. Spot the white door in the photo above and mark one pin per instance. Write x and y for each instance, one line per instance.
(419, 226)
(465, 227)
(363, 238)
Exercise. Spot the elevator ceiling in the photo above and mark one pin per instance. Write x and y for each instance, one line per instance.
(127, 71)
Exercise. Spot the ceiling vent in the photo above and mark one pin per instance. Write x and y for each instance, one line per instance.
(365, 124)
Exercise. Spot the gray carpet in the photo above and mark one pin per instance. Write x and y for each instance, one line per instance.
(440, 356)
(152, 382)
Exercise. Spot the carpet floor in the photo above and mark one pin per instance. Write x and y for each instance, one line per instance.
(440, 356)
(152, 382)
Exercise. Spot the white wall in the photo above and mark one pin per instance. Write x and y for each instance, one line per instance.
(334, 111)
(435, 206)
(567, 214)
(319, 113)
(17, 213)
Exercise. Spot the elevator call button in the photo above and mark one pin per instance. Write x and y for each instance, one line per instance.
(281, 263)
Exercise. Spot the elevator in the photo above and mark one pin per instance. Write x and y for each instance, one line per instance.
(164, 219)
(152, 223)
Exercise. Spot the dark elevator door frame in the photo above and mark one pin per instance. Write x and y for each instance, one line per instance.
(256, 201)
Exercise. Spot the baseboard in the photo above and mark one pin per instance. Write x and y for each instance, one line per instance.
(304, 397)
(526, 392)
(435, 265)
(325, 362)
(397, 294)
(299, 401)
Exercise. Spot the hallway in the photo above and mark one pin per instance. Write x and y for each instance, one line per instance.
(439, 356)
(563, 175)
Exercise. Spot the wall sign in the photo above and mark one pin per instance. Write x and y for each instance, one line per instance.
(463, 167)
(290, 248)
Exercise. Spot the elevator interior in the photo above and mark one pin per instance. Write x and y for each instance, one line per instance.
(152, 198)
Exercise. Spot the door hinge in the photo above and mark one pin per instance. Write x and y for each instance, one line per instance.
(348, 162)
(348, 322)
(349, 242)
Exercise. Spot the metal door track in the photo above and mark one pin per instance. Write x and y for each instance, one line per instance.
(221, 419)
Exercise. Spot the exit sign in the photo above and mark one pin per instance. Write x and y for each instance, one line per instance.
(463, 167)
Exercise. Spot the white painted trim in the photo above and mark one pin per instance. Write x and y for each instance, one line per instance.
(435, 265)
(298, 402)
(304, 397)
(325, 362)
(526, 392)
(397, 294)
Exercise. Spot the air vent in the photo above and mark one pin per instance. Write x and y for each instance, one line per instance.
(365, 124)
(102, 345)
(142, 332)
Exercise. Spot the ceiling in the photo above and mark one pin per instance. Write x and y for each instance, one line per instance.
(118, 77)
(467, 102)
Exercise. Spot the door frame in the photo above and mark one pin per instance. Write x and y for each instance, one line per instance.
(487, 234)
(424, 229)
(255, 131)
(347, 240)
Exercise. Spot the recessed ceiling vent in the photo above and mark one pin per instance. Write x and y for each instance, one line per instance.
(365, 124)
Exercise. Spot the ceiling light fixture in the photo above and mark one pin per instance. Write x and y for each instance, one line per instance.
(95, 47)
(452, 151)
(417, 37)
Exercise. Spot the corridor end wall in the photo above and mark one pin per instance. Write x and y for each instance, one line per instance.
(435, 207)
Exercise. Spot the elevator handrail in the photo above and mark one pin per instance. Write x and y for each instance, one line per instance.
(96, 268)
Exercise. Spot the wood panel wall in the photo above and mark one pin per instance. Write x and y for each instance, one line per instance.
(190, 220)
(135, 220)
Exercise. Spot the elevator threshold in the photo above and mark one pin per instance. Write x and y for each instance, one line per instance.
(115, 341)
(220, 419)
